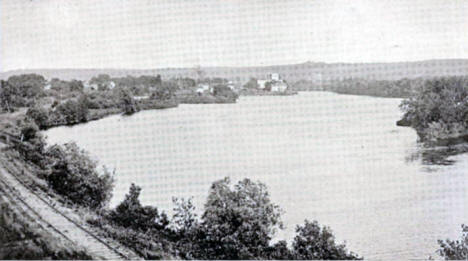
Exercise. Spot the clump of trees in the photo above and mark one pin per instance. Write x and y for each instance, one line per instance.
(402, 88)
(455, 249)
(20, 91)
(73, 174)
(439, 109)
(238, 222)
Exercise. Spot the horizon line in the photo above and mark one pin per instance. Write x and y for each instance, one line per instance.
(225, 66)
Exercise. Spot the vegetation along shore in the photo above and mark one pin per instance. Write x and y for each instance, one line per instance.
(436, 108)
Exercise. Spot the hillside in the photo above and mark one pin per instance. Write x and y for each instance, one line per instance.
(308, 71)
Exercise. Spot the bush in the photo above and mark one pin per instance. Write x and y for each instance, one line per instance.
(69, 112)
(127, 103)
(40, 116)
(73, 174)
(314, 243)
(223, 90)
(32, 143)
(455, 250)
(131, 214)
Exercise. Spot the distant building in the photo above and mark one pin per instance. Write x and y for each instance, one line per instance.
(203, 88)
(273, 83)
(279, 86)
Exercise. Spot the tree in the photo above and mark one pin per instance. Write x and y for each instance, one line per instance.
(268, 86)
(102, 81)
(251, 84)
(73, 174)
(27, 85)
(40, 115)
(165, 91)
(131, 214)
(127, 102)
(313, 243)
(239, 222)
(76, 86)
(7, 93)
(455, 250)
(224, 91)
(70, 112)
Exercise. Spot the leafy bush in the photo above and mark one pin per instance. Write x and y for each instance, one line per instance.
(40, 115)
(314, 243)
(32, 143)
(69, 112)
(238, 223)
(127, 103)
(131, 214)
(73, 174)
(223, 90)
(455, 250)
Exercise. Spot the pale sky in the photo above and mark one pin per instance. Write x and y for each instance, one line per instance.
(184, 33)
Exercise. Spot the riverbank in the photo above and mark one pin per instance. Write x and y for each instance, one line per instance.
(37, 223)
(257, 92)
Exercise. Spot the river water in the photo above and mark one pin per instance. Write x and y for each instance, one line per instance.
(337, 159)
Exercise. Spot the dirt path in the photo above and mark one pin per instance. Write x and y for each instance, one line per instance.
(57, 222)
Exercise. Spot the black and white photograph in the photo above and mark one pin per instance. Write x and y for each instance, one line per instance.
(233, 129)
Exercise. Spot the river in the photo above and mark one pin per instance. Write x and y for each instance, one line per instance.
(337, 159)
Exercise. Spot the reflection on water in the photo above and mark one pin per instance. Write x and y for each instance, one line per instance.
(338, 159)
(437, 155)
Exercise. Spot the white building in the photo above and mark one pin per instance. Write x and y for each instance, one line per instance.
(275, 82)
(203, 87)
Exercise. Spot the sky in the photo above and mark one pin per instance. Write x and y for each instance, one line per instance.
(147, 34)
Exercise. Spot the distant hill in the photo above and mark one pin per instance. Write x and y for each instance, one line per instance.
(291, 73)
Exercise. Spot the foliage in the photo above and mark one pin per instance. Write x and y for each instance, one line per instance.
(27, 85)
(455, 250)
(251, 84)
(8, 99)
(131, 214)
(102, 81)
(40, 115)
(238, 223)
(224, 91)
(279, 251)
(381, 88)
(165, 91)
(127, 103)
(313, 242)
(32, 143)
(439, 109)
(66, 86)
(70, 112)
(73, 174)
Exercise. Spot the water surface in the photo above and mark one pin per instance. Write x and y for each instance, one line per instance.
(338, 159)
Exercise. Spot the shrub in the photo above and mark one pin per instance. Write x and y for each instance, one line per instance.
(313, 242)
(455, 250)
(127, 103)
(131, 214)
(40, 116)
(73, 174)
(32, 143)
(223, 90)
(70, 112)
